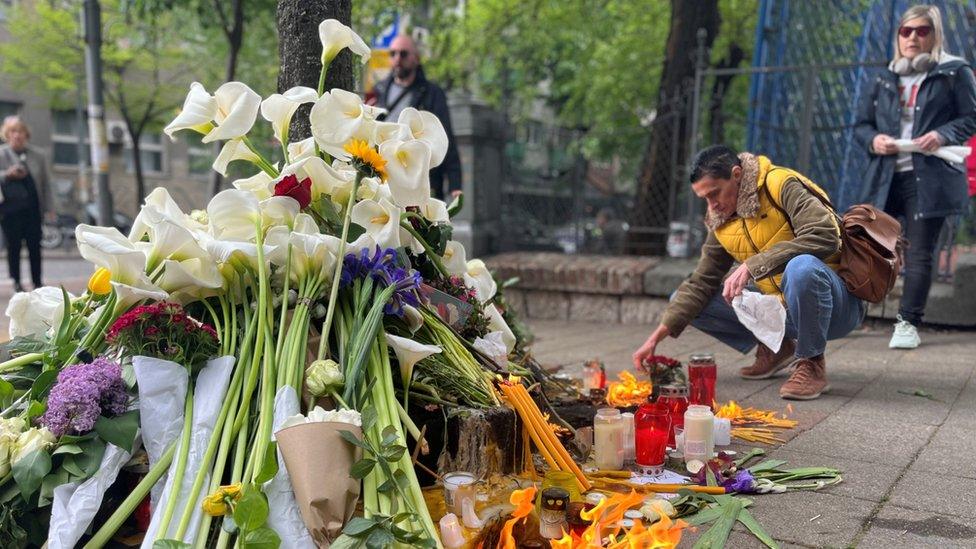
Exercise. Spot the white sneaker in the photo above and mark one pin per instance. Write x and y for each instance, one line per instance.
(905, 336)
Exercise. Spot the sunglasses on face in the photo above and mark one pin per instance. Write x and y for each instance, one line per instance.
(401, 53)
(921, 31)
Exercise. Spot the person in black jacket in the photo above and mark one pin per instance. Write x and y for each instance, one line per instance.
(927, 97)
(408, 87)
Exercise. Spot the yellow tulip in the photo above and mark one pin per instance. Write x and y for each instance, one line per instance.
(100, 283)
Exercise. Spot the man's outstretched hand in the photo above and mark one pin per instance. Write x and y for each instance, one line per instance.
(736, 282)
(647, 349)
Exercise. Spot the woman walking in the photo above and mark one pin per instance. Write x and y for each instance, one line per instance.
(928, 97)
(25, 198)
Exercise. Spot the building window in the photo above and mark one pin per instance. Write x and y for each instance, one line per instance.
(8, 108)
(65, 137)
(150, 151)
(200, 155)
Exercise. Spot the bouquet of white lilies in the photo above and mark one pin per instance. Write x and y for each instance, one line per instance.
(314, 275)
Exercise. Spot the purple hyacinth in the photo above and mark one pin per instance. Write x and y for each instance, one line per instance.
(82, 393)
(743, 483)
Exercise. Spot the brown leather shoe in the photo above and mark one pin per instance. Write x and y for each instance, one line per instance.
(767, 363)
(808, 380)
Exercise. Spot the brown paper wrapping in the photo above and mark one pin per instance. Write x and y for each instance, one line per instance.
(318, 461)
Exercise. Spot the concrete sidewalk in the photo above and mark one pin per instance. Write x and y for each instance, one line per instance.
(909, 462)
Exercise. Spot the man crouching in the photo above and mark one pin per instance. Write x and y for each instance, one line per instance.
(787, 242)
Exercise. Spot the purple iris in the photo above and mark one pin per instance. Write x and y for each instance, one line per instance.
(743, 483)
(383, 266)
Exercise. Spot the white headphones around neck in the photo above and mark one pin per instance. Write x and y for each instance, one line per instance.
(923, 62)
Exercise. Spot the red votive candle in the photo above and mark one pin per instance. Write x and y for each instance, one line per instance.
(652, 425)
(701, 377)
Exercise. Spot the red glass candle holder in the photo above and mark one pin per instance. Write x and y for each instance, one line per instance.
(675, 399)
(701, 377)
(652, 427)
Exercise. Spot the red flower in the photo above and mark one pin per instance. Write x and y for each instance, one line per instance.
(291, 187)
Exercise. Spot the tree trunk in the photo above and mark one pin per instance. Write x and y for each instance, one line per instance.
(235, 39)
(655, 180)
(300, 52)
(137, 168)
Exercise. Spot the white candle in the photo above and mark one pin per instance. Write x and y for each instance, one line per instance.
(630, 452)
(451, 534)
(723, 431)
(608, 439)
(699, 442)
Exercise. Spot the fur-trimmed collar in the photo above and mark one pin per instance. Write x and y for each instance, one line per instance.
(747, 203)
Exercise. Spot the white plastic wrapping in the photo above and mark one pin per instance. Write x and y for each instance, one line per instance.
(75, 504)
(763, 315)
(208, 396)
(493, 345)
(162, 392)
(284, 516)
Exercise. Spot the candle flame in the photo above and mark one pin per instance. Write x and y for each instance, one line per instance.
(523, 502)
(628, 391)
(755, 425)
(663, 534)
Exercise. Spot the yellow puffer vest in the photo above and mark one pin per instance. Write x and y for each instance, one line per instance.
(744, 238)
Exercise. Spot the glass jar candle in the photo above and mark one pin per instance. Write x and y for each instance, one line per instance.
(675, 399)
(629, 450)
(552, 517)
(652, 426)
(608, 439)
(699, 443)
(701, 377)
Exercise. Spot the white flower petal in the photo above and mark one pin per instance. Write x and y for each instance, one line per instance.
(233, 215)
(259, 184)
(280, 107)
(407, 167)
(409, 353)
(426, 127)
(233, 149)
(336, 118)
(454, 258)
(436, 211)
(199, 109)
(237, 109)
(35, 312)
(478, 277)
(299, 150)
(335, 37)
(496, 323)
(381, 221)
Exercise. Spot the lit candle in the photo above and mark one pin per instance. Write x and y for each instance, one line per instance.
(451, 534)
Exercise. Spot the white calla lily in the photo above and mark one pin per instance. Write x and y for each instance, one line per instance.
(425, 126)
(238, 254)
(381, 221)
(35, 312)
(337, 117)
(409, 353)
(373, 188)
(454, 258)
(325, 179)
(106, 247)
(280, 107)
(129, 295)
(496, 323)
(407, 168)
(299, 150)
(234, 149)
(336, 37)
(312, 254)
(259, 184)
(390, 131)
(478, 277)
(234, 215)
(169, 240)
(237, 109)
(160, 205)
(278, 210)
(191, 280)
(435, 210)
(197, 114)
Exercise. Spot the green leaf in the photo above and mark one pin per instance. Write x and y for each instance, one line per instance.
(361, 468)
(61, 335)
(346, 542)
(90, 459)
(74, 439)
(120, 430)
(766, 465)
(170, 544)
(35, 409)
(747, 520)
(390, 436)
(251, 512)
(30, 471)
(358, 526)
(43, 383)
(394, 453)
(718, 534)
(349, 437)
(386, 486)
(261, 538)
(456, 205)
(50, 482)
(71, 466)
(369, 417)
(710, 479)
(379, 538)
(270, 467)
(6, 393)
(67, 449)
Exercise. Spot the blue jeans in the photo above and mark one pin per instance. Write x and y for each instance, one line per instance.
(818, 308)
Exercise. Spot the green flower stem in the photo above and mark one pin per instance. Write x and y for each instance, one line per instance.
(240, 449)
(409, 424)
(174, 493)
(208, 455)
(340, 256)
(261, 161)
(284, 143)
(434, 258)
(129, 504)
(265, 414)
(325, 69)
(20, 362)
(284, 305)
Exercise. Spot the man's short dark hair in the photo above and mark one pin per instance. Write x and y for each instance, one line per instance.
(716, 161)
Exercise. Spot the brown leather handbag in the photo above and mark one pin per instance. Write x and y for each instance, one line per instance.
(872, 252)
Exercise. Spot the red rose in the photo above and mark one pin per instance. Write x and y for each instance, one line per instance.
(291, 187)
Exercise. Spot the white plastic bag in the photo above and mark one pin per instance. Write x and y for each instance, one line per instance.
(284, 517)
(763, 315)
(162, 392)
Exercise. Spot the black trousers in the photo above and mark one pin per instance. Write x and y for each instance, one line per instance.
(922, 236)
(19, 227)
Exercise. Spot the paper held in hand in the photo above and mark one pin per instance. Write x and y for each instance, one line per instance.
(952, 153)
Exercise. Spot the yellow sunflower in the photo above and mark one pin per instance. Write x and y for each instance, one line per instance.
(366, 159)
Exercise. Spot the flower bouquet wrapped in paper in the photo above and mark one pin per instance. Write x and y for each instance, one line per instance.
(326, 494)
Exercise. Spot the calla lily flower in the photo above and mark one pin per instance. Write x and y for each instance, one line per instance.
(168, 240)
(435, 211)
(233, 215)
(373, 188)
(299, 150)
(106, 247)
(280, 107)
(325, 179)
(409, 353)
(337, 117)
(478, 277)
(336, 37)
(259, 184)
(237, 109)
(234, 149)
(238, 254)
(197, 114)
(408, 167)
(390, 131)
(191, 280)
(381, 221)
(425, 126)
(35, 312)
(496, 323)
(313, 254)
(160, 205)
(454, 258)
(413, 318)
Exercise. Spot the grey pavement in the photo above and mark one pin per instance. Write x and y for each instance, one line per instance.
(909, 463)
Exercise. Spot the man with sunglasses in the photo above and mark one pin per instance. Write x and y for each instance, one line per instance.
(406, 86)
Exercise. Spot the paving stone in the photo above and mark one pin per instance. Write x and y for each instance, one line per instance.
(863, 439)
(547, 305)
(885, 403)
(862, 480)
(928, 492)
(811, 518)
(897, 527)
(951, 451)
(594, 308)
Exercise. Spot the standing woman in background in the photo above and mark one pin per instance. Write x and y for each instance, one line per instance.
(928, 97)
(25, 198)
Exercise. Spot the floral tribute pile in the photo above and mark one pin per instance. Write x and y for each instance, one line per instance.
(211, 345)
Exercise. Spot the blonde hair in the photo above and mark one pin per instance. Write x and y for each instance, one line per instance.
(934, 17)
(10, 122)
